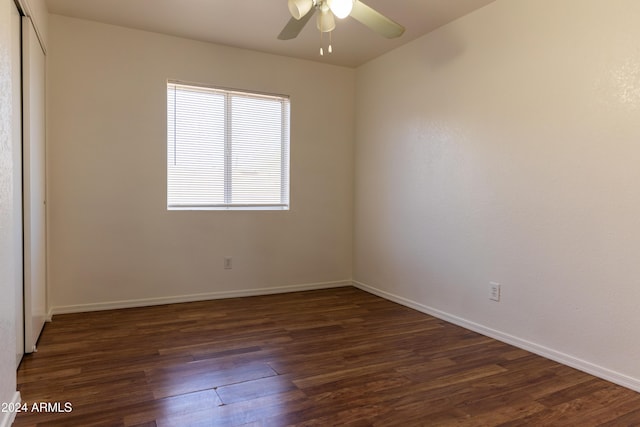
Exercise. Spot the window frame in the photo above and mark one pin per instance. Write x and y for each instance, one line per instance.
(285, 156)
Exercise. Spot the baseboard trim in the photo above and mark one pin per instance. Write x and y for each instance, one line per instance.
(549, 353)
(7, 418)
(145, 302)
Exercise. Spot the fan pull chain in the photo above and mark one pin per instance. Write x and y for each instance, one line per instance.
(329, 48)
(321, 37)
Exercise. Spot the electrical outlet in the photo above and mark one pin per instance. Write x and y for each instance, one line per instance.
(228, 263)
(494, 291)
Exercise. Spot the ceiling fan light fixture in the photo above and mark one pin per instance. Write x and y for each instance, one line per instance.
(300, 8)
(340, 8)
(302, 11)
(325, 20)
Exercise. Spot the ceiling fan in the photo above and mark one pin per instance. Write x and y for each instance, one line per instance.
(328, 10)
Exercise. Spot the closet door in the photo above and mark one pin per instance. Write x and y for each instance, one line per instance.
(33, 154)
(16, 147)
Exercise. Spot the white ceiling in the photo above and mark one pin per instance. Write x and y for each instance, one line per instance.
(255, 24)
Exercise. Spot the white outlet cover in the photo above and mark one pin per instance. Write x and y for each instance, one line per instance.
(494, 291)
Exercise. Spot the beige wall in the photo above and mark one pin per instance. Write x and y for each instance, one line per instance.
(505, 147)
(111, 237)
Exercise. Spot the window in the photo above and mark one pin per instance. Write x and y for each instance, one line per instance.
(226, 149)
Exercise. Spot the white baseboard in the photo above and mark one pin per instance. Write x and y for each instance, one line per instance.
(549, 353)
(144, 302)
(7, 418)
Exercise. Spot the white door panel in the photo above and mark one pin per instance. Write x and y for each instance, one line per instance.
(33, 152)
(17, 173)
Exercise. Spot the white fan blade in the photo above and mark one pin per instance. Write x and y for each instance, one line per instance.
(294, 26)
(376, 21)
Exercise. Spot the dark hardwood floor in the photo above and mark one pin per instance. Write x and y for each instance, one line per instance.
(320, 358)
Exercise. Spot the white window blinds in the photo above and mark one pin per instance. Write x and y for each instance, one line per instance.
(226, 149)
